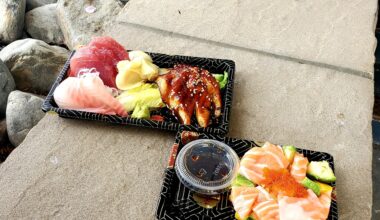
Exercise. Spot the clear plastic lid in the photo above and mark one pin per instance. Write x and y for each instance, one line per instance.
(207, 166)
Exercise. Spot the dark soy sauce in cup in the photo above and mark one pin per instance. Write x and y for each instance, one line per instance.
(208, 163)
(207, 167)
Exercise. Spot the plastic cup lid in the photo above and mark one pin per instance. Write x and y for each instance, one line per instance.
(207, 166)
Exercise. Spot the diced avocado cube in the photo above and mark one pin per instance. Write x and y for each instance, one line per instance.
(321, 171)
(289, 152)
(241, 180)
(310, 184)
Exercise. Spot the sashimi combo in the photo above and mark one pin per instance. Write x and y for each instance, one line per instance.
(105, 78)
(277, 182)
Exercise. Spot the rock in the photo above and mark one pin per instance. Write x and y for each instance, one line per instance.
(80, 21)
(34, 64)
(12, 20)
(3, 131)
(7, 85)
(41, 23)
(31, 4)
(25, 35)
(5, 146)
(5, 150)
(23, 113)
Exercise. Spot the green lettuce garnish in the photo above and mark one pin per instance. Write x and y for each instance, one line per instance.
(141, 112)
(222, 79)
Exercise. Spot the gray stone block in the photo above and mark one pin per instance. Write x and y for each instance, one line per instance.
(339, 33)
(82, 20)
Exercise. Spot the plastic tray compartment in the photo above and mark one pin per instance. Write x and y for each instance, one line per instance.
(176, 202)
(170, 122)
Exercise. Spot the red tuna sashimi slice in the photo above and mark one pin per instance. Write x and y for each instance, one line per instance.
(255, 160)
(267, 210)
(292, 208)
(299, 167)
(110, 44)
(88, 56)
(87, 94)
(243, 198)
(86, 59)
(101, 55)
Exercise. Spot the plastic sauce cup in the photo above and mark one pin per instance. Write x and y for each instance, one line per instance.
(206, 166)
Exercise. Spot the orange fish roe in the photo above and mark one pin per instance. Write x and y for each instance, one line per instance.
(281, 182)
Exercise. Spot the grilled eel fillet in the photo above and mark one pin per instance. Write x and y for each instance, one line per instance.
(186, 89)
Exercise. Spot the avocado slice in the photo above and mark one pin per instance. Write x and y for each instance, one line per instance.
(324, 187)
(237, 216)
(289, 152)
(321, 171)
(248, 218)
(310, 184)
(241, 180)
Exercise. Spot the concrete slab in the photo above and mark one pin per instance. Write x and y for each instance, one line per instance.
(338, 33)
(68, 169)
(291, 103)
(76, 169)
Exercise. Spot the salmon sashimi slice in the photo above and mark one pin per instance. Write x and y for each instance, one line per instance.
(299, 167)
(263, 195)
(87, 93)
(325, 199)
(243, 198)
(255, 160)
(264, 200)
(267, 210)
(292, 208)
